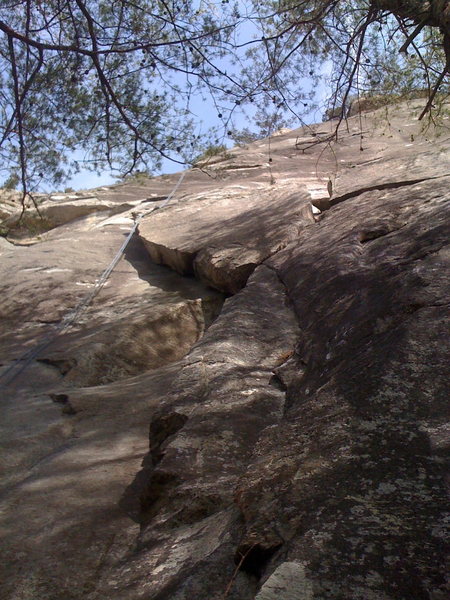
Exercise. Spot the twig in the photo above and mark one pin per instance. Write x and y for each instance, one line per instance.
(236, 571)
(23, 160)
(433, 94)
(413, 35)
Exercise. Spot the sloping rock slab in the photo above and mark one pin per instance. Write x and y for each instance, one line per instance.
(53, 214)
(145, 315)
(59, 517)
(67, 454)
(144, 339)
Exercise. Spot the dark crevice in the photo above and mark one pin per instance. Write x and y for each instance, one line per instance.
(67, 408)
(59, 398)
(252, 559)
(155, 199)
(277, 383)
(289, 302)
(284, 373)
(47, 321)
(161, 428)
(373, 233)
(236, 167)
(142, 498)
(412, 308)
(63, 365)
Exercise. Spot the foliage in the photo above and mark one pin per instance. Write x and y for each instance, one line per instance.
(358, 46)
(138, 176)
(210, 152)
(99, 77)
(108, 84)
(267, 121)
(12, 182)
(244, 136)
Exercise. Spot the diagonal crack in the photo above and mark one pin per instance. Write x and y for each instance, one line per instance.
(381, 186)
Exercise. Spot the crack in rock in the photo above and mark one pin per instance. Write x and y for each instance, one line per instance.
(381, 186)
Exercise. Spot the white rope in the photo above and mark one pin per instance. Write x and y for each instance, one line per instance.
(21, 363)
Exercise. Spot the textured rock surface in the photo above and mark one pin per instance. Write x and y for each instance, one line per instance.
(294, 449)
(287, 582)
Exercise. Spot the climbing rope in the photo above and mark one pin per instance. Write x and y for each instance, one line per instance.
(21, 363)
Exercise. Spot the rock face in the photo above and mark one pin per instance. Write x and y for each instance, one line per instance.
(293, 442)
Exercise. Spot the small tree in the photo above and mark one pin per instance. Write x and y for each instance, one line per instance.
(363, 47)
(12, 182)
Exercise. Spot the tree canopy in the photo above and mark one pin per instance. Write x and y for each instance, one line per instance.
(105, 84)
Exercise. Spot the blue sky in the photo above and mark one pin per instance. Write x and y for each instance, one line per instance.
(205, 114)
(206, 117)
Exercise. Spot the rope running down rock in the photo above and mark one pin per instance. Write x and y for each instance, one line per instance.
(21, 363)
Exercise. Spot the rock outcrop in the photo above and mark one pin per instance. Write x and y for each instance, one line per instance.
(289, 445)
(221, 237)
